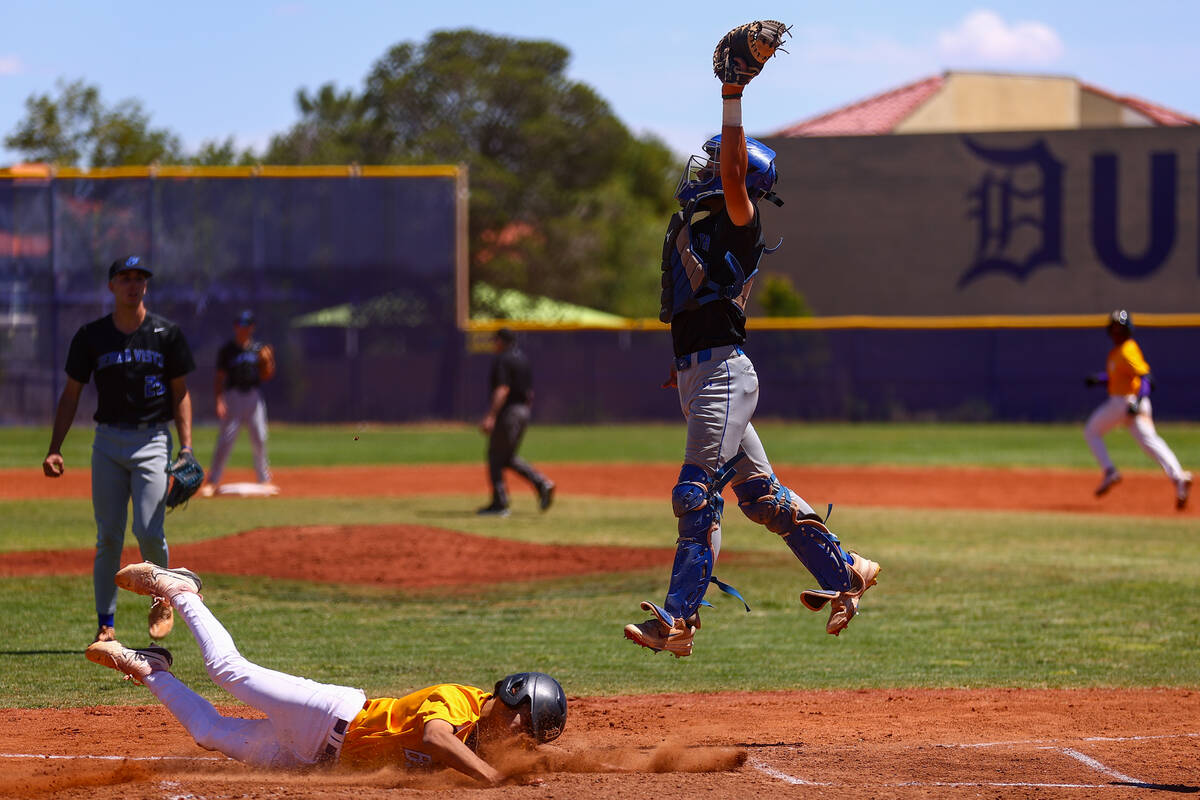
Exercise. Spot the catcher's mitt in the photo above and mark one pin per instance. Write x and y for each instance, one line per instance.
(741, 53)
(184, 477)
(266, 363)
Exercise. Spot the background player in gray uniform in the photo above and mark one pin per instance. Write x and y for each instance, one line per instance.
(710, 256)
(239, 402)
(140, 361)
(510, 392)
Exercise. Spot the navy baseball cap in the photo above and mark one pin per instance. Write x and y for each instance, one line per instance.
(127, 263)
(245, 318)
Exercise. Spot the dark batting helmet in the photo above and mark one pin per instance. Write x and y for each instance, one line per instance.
(547, 702)
(1121, 319)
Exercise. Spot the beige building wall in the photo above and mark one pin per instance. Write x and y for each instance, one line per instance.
(989, 102)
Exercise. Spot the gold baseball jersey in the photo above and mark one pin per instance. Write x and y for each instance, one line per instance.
(1126, 366)
(391, 730)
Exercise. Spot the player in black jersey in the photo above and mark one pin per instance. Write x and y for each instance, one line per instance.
(240, 372)
(140, 362)
(510, 387)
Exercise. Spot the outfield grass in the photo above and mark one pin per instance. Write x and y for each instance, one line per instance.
(968, 599)
(993, 445)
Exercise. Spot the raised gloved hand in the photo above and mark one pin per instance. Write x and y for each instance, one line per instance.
(742, 53)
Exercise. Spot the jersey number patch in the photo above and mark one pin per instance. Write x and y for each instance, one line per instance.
(154, 386)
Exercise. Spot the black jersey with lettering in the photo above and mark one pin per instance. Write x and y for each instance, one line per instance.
(511, 368)
(240, 364)
(720, 322)
(133, 370)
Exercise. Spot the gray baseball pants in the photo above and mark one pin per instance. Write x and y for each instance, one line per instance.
(242, 407)
(127, 464)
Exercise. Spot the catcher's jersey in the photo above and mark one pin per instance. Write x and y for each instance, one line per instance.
(1126, 366)
(133, 370)
(390, 730)
(721, 321)
(240, 364)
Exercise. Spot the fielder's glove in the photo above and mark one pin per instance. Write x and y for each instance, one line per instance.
(1092, 380)
(741, 53)
(1134, 407)
(184, 477)
(266, 363)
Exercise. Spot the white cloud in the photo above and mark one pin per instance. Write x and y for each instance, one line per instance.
(11, 65)
(984, 37)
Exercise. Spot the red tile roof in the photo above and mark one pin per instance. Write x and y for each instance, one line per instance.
(882, 113)
(1160, 114)
(878, 114)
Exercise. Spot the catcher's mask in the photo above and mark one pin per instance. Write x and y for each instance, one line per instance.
(547, 702)
(702, 175)
(1120, 319)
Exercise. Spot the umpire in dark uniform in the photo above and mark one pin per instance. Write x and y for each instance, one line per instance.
(140, 363)
(511, 394)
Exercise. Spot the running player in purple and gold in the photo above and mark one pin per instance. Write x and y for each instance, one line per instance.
(1129, 384)
(140, 362)
(447, 725)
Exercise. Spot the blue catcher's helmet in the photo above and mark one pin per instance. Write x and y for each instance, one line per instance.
(702, 176)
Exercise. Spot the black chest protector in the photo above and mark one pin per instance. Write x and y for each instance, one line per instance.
(706, 257)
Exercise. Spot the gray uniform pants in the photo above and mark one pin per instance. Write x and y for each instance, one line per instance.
(506, 437)
(718, 397)
(242, 407)
(127, 464)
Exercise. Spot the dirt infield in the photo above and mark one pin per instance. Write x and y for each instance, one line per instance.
(879, 744)
(1140, 494)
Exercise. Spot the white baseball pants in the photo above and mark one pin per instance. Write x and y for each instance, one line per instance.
(301, 713)
(1111, 413)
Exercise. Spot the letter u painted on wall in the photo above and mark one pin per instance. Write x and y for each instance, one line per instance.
(1162, 220)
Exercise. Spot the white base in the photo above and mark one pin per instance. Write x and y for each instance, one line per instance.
(247, 489)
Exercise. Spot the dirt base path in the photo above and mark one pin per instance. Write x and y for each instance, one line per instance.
(1140, 494)
(873, 744)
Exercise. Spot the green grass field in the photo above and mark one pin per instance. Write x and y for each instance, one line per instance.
(965, 599)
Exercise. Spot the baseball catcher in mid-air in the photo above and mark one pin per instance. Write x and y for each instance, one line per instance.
(710, 258)
(309, 723)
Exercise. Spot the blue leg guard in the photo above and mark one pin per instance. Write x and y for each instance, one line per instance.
(766, 501)
(699, 511)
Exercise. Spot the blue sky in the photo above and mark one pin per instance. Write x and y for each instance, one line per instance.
(232, 68)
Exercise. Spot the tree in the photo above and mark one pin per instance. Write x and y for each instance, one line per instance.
(77, 129)
(560, 189)
(779, 298)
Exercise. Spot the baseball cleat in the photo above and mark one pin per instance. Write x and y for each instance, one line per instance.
(105, 633)
(1111, 478)
(545, 496)
(150, 579)
(658, 634)
(843, 605)
(135, 664)
(162, 618)
(1183, 488)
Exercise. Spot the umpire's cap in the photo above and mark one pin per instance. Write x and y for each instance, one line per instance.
(547, 702)
(128, 263)
(506, 335)
(1121, 319)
